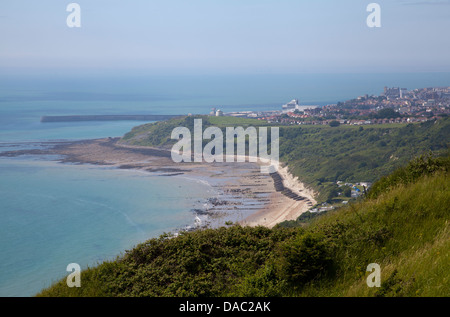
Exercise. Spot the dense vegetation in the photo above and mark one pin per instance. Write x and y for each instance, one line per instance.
(402, 226)
(322, 155)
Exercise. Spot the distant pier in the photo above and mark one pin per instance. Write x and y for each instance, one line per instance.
(154, 117)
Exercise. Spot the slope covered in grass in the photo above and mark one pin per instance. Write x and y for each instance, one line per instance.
(403, 227)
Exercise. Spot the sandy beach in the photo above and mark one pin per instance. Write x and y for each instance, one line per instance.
(282, 208)
(244, 194)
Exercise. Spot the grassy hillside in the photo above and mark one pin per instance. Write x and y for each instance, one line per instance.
(403, 226)
(158, 134)
(321, 156)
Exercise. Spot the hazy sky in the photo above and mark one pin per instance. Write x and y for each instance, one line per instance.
(227, 35)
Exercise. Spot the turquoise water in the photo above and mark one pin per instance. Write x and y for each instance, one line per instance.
(53, 214)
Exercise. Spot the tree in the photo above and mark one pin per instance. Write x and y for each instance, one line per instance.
(334, 123)
(347, 191)
(387, 113)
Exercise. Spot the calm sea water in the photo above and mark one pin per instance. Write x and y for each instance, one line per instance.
(54, 214)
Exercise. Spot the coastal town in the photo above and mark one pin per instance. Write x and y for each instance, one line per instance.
(394, 105)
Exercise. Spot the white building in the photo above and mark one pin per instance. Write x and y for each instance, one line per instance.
(291, 105)
(306, 107)
(294, 105)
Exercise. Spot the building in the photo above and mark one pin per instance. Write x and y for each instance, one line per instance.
(294, 105)
(219, 113)
(291, 105)
(307, 107)
(392, 92)
(403, 92)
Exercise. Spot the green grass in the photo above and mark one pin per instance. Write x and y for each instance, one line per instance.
(226, 121)
(404, 230)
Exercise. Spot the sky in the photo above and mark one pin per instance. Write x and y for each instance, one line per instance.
(282, 36)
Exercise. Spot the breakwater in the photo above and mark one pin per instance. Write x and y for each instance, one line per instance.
(279, 187)
(107, 118)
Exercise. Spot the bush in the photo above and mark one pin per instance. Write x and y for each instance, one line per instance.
(347, 191)
(303, 258)
(264, 283)
(334, 123)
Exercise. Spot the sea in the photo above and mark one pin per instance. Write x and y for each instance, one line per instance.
(53, 214)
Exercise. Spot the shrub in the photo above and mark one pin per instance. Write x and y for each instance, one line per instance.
(264, 283)
(334, 123)
(303, 258)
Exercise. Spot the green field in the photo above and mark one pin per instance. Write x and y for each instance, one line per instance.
(226, 121)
